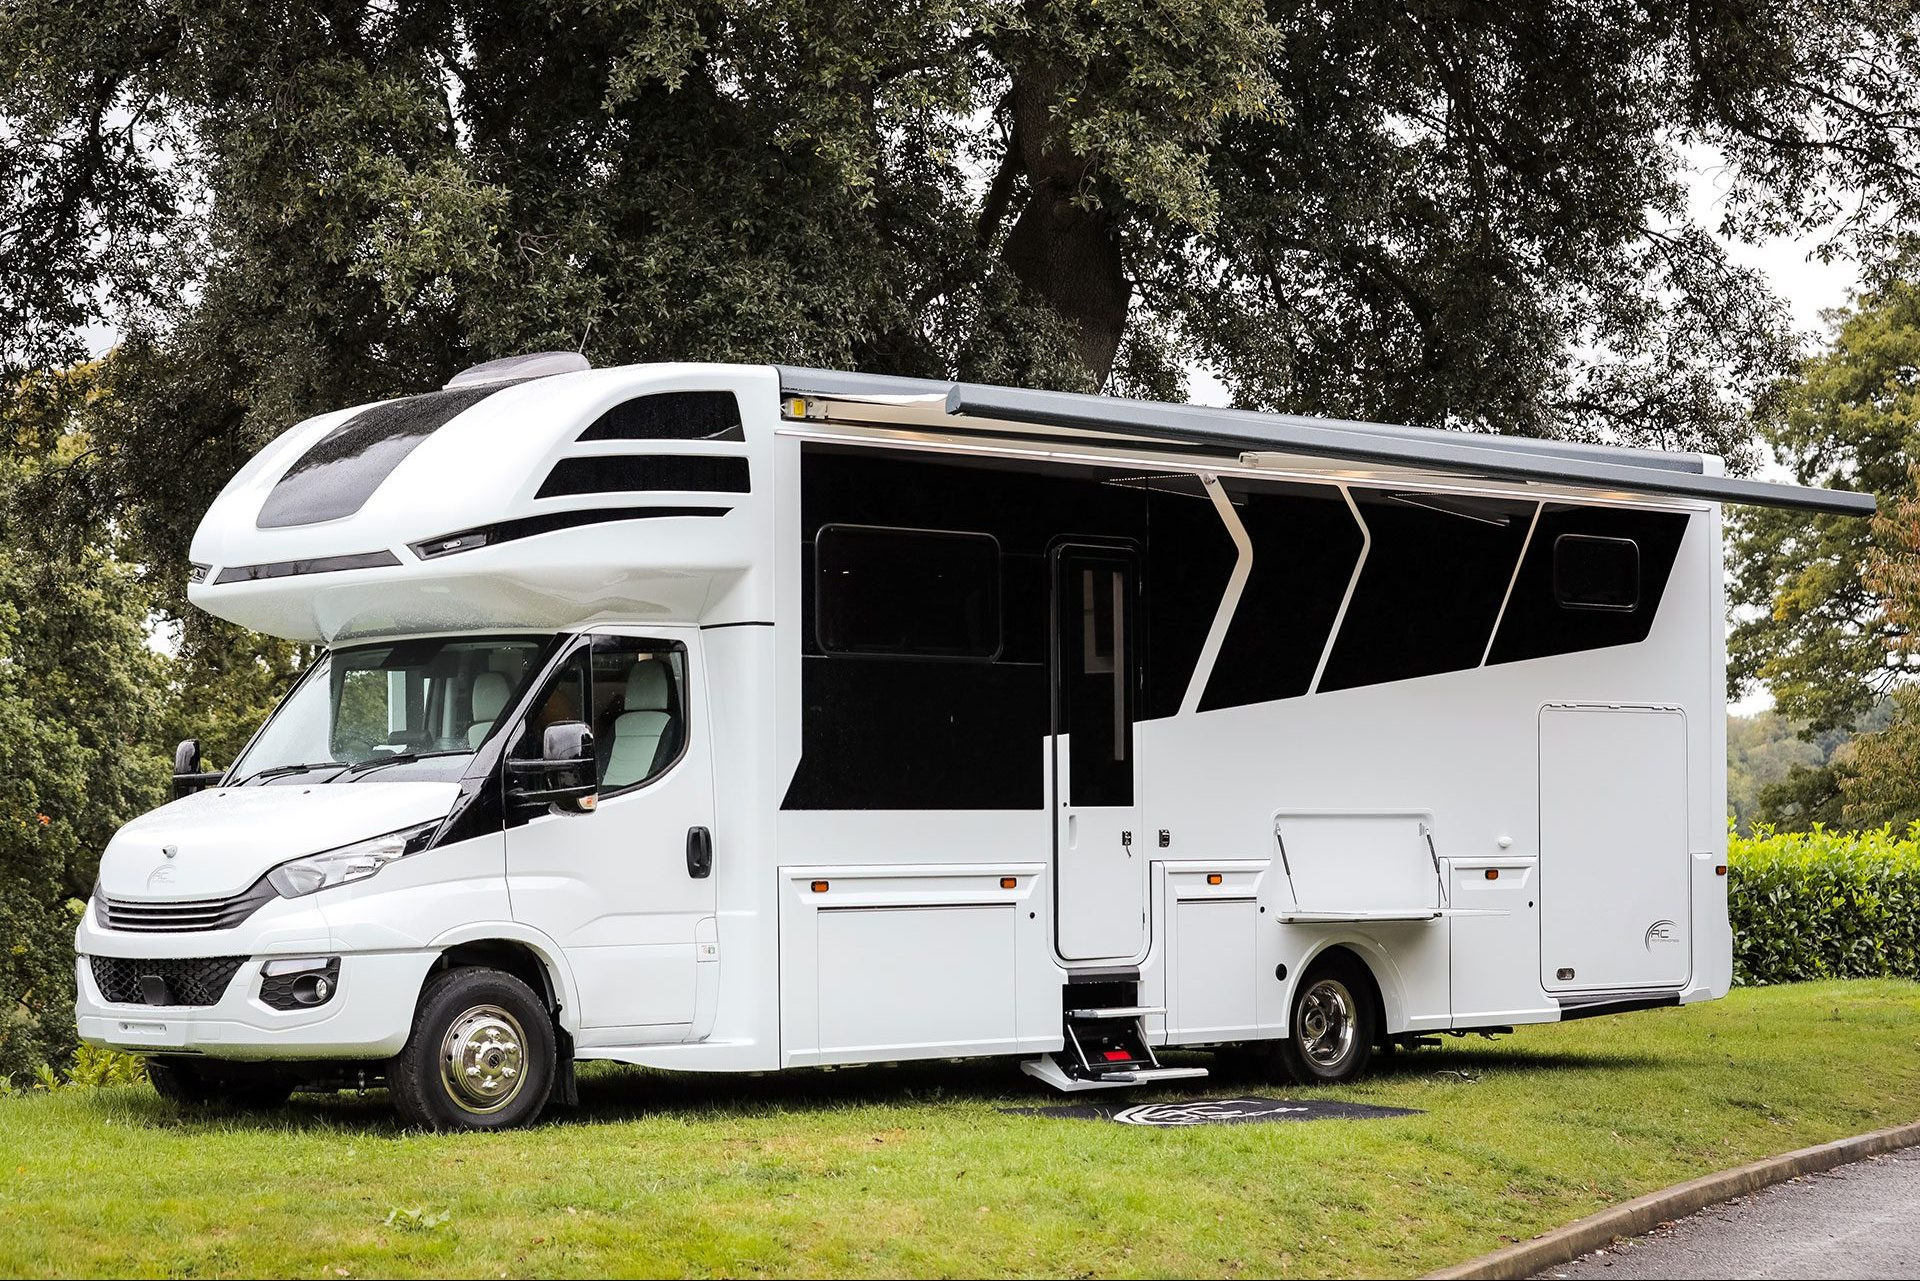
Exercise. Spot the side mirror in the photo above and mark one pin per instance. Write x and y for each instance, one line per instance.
(188, 778)
(565, 776)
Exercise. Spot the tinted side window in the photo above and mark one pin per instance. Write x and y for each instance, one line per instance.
(632, 693)
(672, 415)
(639, 709)
(924, 593)
(1540, 621)
(1305, 544)
(1596, 573)
(1429, 590)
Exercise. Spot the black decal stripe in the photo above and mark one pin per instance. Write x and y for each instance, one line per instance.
(313, 565)
(507, 531)
(640, 473)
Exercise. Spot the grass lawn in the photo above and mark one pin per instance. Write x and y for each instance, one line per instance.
(917, 1170)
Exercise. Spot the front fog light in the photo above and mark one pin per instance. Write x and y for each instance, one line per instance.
(299, 983)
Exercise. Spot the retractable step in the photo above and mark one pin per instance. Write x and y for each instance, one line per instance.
(1106, 1048)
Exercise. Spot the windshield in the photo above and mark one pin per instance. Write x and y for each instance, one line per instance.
(413, 709)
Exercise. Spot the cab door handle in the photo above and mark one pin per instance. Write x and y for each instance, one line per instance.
(699, 853)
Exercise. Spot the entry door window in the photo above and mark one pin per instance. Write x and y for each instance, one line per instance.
(632, 693)
(1096, 663)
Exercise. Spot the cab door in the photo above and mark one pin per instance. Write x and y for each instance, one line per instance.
(627, 889)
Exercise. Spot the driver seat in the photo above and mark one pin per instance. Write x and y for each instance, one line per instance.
(645, 732)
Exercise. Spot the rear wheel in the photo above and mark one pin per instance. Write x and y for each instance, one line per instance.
(480, 1057)
(1331, 1027)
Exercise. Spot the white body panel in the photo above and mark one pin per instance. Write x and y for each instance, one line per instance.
(947, 930)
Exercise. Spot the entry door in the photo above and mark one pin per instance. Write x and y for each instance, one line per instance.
(1100, 908)
(616, 888)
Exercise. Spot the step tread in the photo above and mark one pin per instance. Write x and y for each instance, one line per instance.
(1141, 1076)
(1117, 1012)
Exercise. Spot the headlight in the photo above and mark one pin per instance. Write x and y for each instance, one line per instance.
(354, 862)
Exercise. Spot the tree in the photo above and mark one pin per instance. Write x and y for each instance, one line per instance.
(80, 693)
(1811, 628)
(1469, 217)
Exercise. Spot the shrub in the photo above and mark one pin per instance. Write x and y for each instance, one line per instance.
(1824, 905)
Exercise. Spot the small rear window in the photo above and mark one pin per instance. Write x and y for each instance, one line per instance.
(1596, 573)
(907, 592)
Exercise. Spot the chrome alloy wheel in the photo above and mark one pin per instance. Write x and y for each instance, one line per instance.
(1326, 1023)
(483, 1059)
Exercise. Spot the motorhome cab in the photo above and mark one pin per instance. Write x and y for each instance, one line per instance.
(725, 718)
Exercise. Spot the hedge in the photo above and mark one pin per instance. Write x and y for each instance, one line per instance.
(1824, 905)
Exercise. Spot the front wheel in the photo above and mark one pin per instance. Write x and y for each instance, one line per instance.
(1331, 1028)
(480, 1057)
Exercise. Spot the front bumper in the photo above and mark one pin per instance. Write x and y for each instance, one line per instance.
(368, 1017)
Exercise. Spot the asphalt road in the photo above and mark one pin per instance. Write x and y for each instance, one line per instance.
(1857, 1221)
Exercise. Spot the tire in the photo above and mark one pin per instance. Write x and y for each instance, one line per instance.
(1331, 1026)
(187, 1084)
(480, 1056)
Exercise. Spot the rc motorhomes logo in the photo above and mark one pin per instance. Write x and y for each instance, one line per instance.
(1662, 932)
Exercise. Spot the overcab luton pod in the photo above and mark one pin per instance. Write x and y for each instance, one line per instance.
(736, 718)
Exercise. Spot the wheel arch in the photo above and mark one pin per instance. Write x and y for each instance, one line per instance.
(1387, 992)
(526, 954)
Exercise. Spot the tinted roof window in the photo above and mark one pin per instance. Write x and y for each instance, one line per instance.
(340, 472)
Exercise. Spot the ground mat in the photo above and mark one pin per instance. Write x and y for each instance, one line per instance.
(1219, 1111)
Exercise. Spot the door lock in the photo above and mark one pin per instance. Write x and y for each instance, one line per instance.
(1126, 838)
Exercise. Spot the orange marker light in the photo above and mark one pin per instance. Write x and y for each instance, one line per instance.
(1720, 870)
(1009, 882)
(819, 887)
(1213, 878)
(1493, 874)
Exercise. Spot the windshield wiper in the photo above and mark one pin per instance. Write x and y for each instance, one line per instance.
(361, 767)
(279, 771)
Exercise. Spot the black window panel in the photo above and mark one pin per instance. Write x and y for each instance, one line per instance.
(1305, 544)
(1094, 682)
(1596, 573)
(1538, 625)
(1430, 590)
(638, 473)
(1190, 559)
(339, 473)
(907, 592)
(901, 734)
(671, 415)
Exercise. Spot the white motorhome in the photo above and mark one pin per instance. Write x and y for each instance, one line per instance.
(729, 718)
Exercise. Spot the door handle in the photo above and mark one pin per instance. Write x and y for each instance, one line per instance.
(699, 853)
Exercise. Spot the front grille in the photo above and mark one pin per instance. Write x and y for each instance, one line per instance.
(184, 916)
(198, 980)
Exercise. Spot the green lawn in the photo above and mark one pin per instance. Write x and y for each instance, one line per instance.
(916, 1169)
